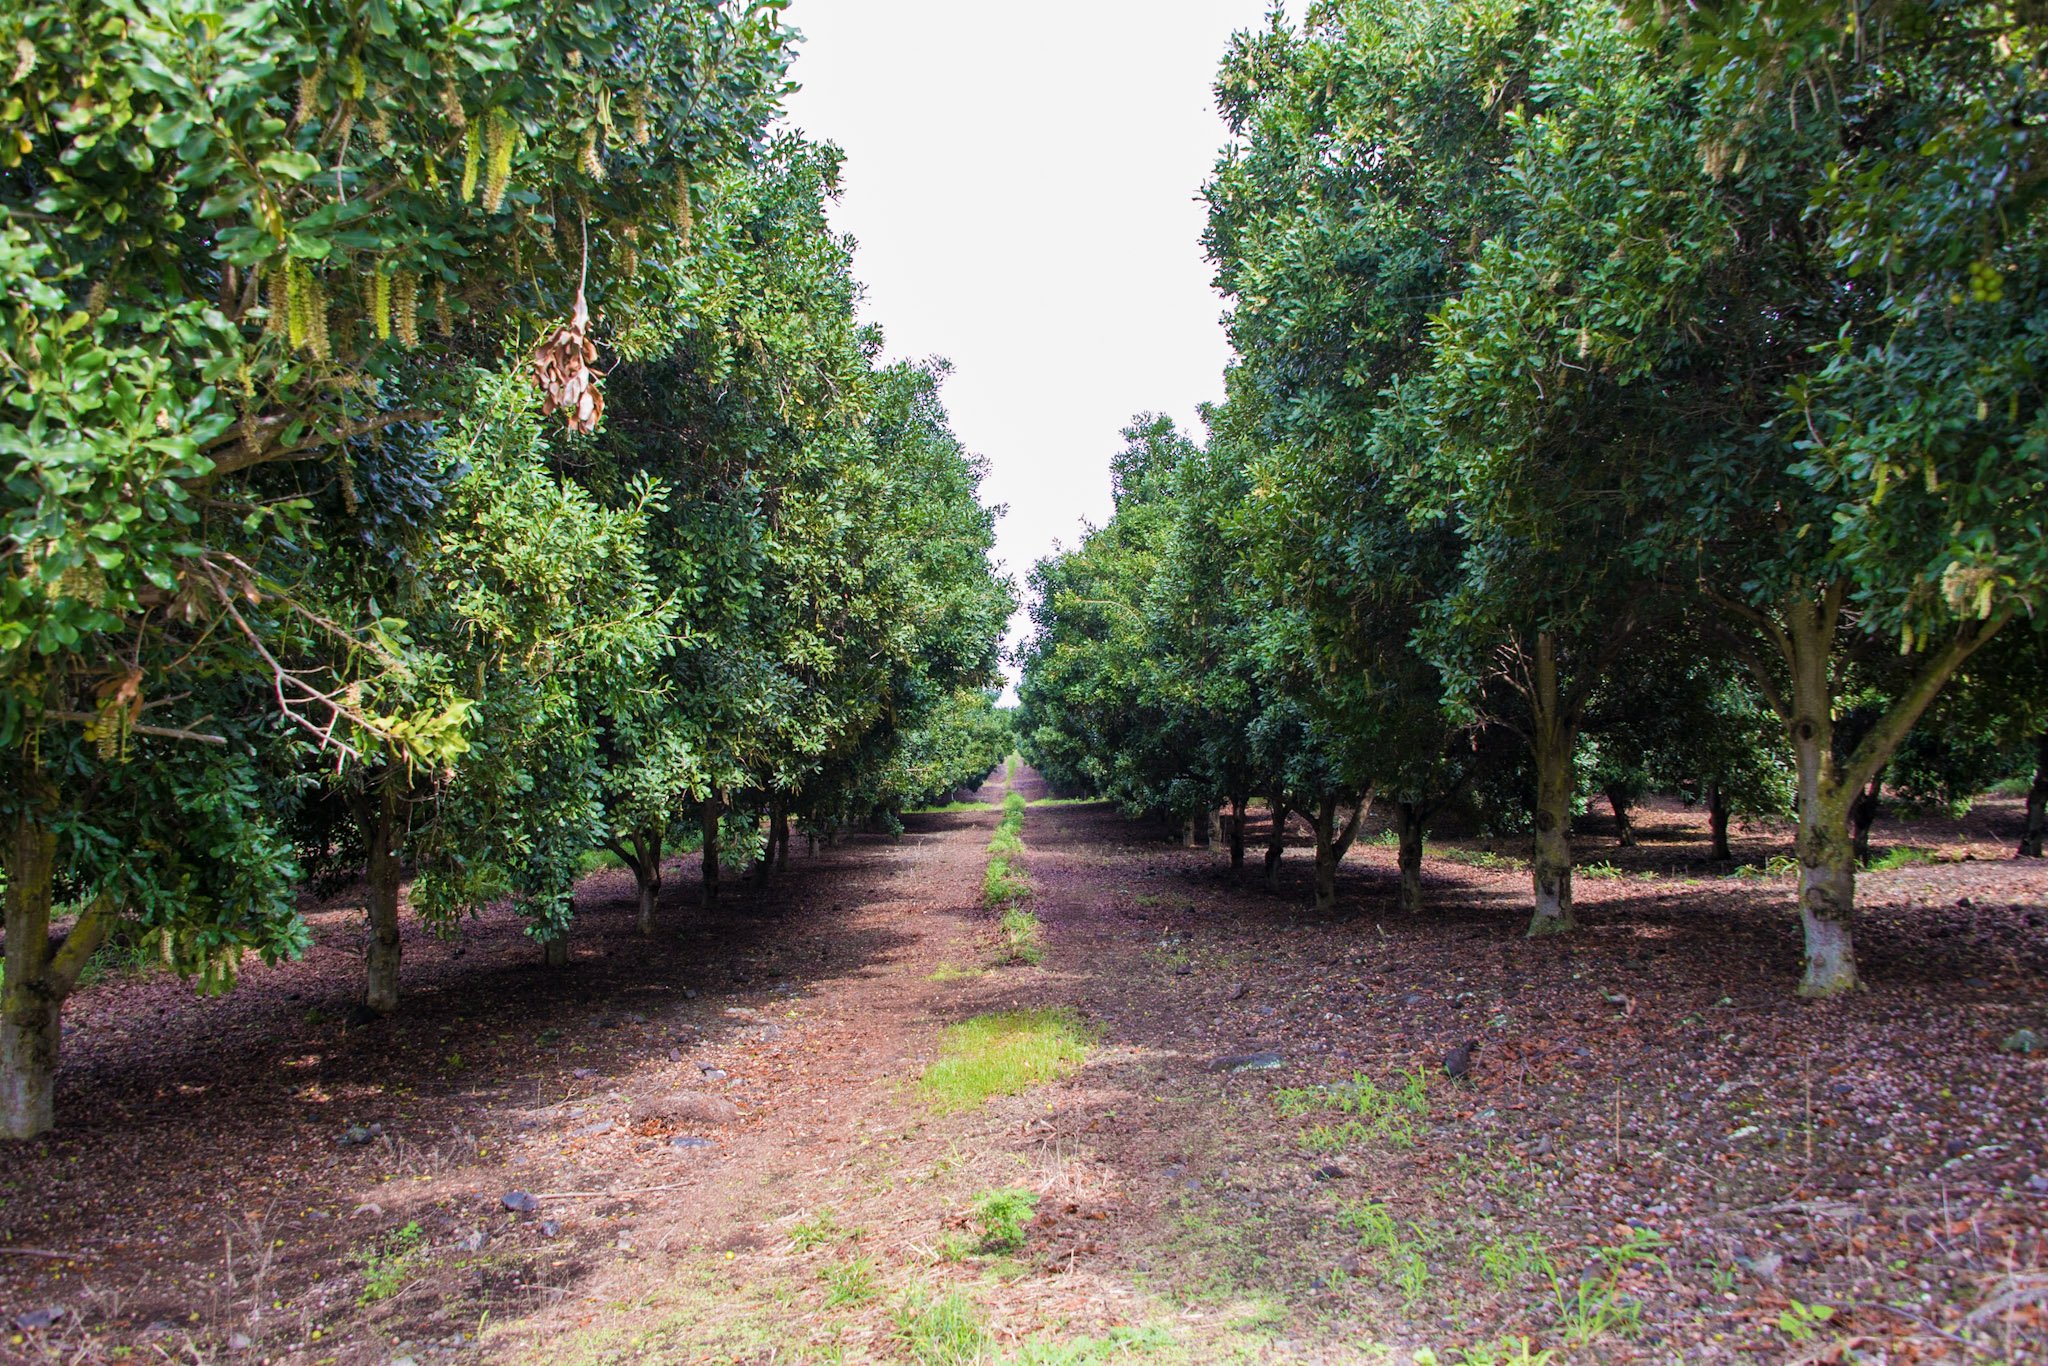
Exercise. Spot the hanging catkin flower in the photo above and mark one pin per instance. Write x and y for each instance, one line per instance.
(309, 94)
(380, 305)
(643, 131)
(472, 161)
(561, 366)
(593, 161)
(498, 142)
(686, 221)
(444, 319)
(405, 303)
(451, 105)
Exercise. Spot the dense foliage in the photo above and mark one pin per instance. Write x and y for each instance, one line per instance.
(1623, 398)
(302, 570)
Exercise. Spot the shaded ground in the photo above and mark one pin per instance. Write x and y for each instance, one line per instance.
(1660, 1156)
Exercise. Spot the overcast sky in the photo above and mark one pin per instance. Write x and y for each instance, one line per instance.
(1023, 182)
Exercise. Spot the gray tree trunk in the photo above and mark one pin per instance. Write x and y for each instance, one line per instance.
(1237, 805)
(1276, 844)
(1826, 852)
(1624, 825)
(1332, 843)
(1717, 822)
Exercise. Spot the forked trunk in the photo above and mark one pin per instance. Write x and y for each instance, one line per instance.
(1237, 835)
(2037, 805)
(1332, 843)
(1717, 822)
(1408, 824)
(1552, 740)
(378, 812)
(707, 816)
(39, 976)
(1624, 824)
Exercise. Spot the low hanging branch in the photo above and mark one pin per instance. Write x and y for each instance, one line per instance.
(561, 363)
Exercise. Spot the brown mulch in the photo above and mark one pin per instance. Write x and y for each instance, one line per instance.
(1649, 1084)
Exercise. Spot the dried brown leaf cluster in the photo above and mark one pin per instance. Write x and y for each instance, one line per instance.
(562, 368)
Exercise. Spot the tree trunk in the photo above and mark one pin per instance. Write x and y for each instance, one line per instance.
(1553, 737)
(39, 976)
(647, 873)
(1624, 827)
(1187, 833)
(1717, 822)
(1332, 843)
(1276, 843)
(1863, 814)
(707, 816)
(554, 953)
(1408, 823)
(1207, 833)
(378, 812)
(1826, 852)
(1237, 805)
(2037, 805)
(764, 869)
(778, 836)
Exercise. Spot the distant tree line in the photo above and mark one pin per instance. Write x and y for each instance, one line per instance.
(1625, 397)
(436, 443)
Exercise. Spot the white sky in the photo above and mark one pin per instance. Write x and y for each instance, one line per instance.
(1023, 182)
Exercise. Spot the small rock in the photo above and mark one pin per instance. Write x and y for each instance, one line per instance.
(1764, 1268)
(688, 1141)
(1330, 1171)
(689, 993)
(1184, 970)
(769, 1033)
(1238, 992)
(36, 1319)
(2022, 1041)
(1544, 1147)
(356, 1135)
(584, 1073)
(1248, 1062)
(710, 1073)
(549, 1228)
(519, 1202)
(475, 1241)
(693, 1107)
(1413, 999)
(603, 1126)
(1351, 1264)
(240, 1342)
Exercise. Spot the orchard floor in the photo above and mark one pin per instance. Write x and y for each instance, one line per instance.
(1661, 1155)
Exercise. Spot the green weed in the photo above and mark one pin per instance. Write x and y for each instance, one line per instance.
(1021, 933)
(1506, 1352)
(1001, 1054)
(1802, 1322)
(1118, 1344)
(946, 972)
(1483, 858)
(1509, 1261)
(1903, 856)
(1590, 1310)
(1379, 1114)
(389, 1265)
(1599, 872)
(850, 1282)
(1002, 1215)
(943, 1330)
(816, 1232)
(1378, 1232)
(1777, 865)
(1002, 884)
(1006, 844)
(1014, 804)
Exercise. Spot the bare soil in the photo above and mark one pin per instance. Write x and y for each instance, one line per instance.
(1660, 1155)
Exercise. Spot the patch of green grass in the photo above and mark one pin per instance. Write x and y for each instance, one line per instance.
(1014, 804)
(1400, 1253)
(949, 809)
(1002, 1215)
(1118, 1344)
(1006, 844)
(946, 972)
(1068, 801)
(1002, 884)
(1508, 1261)
(594, 860)
(1902, 856)
(1023, 938)
(1483, 858)
(1599, 872)
(941, 1330)
(1001, 1054)
(817, 1231)
(389, 1265)
(850, 1282)
(1378, 1114)
(1777, 865)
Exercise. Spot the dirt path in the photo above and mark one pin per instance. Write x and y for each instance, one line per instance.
(1659, 1156)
